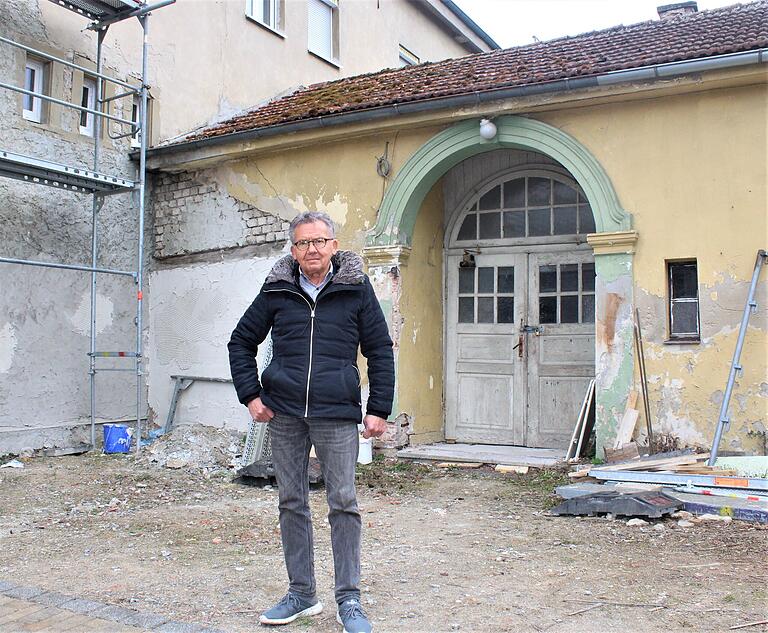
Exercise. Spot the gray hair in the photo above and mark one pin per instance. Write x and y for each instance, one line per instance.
(308, 217)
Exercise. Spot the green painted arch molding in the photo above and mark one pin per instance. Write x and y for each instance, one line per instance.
(401, 204)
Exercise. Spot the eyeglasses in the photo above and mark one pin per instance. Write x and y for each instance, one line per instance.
(318, 243)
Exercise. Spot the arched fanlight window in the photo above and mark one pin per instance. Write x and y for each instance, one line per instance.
(527, 207)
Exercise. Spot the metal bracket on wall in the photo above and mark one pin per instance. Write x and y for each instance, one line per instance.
(182, 383)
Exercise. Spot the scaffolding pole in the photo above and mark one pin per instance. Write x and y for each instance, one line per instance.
(142, 178)
(98, 202)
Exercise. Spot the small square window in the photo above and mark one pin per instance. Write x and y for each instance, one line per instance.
(468, 230)
(34, 81)
(683, 300)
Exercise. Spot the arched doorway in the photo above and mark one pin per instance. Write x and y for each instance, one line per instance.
(519, 309)
(389, 244)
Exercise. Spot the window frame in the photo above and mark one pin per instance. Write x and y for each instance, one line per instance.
(89, 128)
(333, 58)
(407, 57)
(277, 25)
(35, 114)
(682, 337)
(135, 114)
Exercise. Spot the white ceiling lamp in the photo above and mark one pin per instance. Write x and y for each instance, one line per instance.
(487, 129)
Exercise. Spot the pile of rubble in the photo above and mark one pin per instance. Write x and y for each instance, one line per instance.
(197, 447)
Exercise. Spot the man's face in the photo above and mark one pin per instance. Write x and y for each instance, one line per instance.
(314, 261)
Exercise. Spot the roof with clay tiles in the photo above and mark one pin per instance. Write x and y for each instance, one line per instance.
(734, 29)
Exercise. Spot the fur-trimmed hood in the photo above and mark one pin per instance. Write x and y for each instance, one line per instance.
(348, 267)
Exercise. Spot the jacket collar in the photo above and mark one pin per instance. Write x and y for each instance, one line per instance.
(348, 267)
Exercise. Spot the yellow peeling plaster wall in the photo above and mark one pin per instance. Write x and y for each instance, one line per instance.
(420, 367)
(691, 169)
(340, 178)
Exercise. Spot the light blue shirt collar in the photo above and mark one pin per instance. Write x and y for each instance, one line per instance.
(311, 289)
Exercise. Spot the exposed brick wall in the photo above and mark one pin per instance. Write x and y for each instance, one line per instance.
(192, 213)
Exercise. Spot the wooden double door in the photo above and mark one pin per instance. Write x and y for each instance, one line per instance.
(520, 344)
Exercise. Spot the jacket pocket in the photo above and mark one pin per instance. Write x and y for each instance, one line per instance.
(267, 375)
(351, 381)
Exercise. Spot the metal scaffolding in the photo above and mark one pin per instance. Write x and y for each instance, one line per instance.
(101, 13)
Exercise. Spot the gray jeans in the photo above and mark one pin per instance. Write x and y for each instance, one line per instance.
(336, 447)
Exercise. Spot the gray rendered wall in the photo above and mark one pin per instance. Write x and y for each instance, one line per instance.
(45, 313)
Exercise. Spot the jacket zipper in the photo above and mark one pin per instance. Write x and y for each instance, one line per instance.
(311, 341)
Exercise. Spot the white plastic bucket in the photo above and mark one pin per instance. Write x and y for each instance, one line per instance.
(365, 452)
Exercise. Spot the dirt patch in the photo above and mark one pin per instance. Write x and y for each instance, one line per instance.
(443, 551)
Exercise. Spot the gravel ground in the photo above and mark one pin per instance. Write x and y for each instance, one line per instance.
(443, 550)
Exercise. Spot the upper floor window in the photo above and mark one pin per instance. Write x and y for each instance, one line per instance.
(323, 29)
(87, 100)
(683, 300)
(527, 207)
(135, 110)
(407, 58)
(34, 75)
(268, 13)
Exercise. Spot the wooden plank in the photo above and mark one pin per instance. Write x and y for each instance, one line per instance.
(657, 463)
(625, 453)
(459, 464)
(590, 396)
(580, 420)
(503, 468)
(631, 400)
(626, 428)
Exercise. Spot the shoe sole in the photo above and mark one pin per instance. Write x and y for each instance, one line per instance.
(315, 609)
(338, 619)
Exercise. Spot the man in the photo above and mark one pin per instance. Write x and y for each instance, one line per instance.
(321, 307)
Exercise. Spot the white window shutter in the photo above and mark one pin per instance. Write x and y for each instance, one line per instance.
(320, 30)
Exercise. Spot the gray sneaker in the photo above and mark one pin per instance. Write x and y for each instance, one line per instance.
(350, 615)
(290, 608)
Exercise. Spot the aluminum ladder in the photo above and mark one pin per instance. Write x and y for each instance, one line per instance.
(749, 308)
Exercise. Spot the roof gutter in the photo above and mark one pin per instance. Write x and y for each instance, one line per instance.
(648, 73)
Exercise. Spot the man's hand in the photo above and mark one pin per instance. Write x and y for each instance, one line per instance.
(259, 411)
(374, 426)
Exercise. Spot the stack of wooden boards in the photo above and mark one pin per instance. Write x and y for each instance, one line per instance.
(683, 464)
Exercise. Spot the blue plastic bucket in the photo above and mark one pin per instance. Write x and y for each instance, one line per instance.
(117, 438)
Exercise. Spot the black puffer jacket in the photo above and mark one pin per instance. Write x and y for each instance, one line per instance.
(313, 372)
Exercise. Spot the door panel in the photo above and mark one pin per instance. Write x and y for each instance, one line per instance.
(562, 354)
(485, 377)
(494, 393)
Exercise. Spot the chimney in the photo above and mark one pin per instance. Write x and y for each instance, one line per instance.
(668, 11)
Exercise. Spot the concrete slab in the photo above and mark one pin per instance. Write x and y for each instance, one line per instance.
(485, 453)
